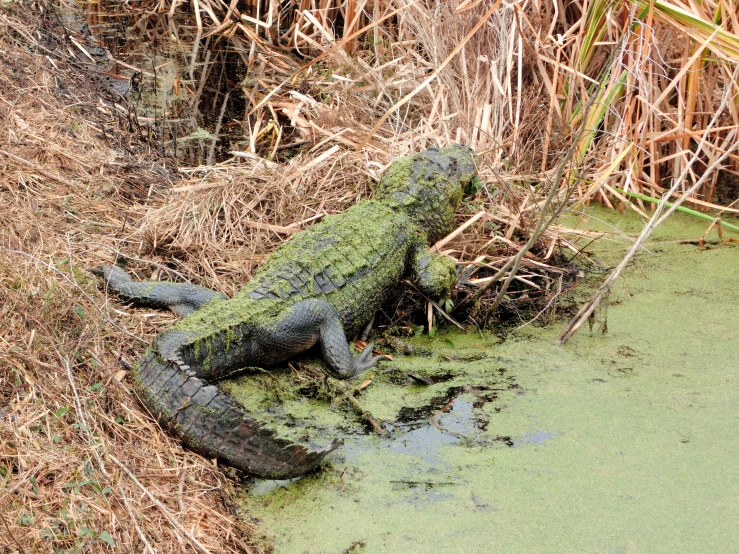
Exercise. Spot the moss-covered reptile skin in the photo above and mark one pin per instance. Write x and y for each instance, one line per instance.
(319, 287)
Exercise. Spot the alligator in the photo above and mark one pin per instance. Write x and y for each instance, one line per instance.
(319, 287)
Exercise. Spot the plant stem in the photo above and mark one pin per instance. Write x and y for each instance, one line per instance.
(657, 219)
(679, 208)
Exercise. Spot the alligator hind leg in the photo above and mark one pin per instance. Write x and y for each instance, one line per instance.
(181, 298)
(303, 325)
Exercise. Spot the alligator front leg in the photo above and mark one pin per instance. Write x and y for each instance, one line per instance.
(304, 324)
(181, 298)
(435, 273)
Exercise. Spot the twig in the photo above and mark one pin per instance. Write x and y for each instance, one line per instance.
(543, 222)
(101, 465)
(701, 215)
(549, 304)
(180, 490)
(37, 168)
(356, 406)
(325, 53)
(139, 531)
(292, 145)
(367, 328)
(279, 229)
(436, 307)
(198, 546)
(430, 78)
(458, 231)
(12, 536)
(425, 483)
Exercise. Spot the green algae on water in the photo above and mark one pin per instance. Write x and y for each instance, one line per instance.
(623, 442)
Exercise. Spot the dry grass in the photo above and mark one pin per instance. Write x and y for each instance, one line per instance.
(585, 99)
(513, 89)
(81, 466)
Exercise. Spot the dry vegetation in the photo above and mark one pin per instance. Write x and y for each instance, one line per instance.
(81, 467)
(292, 109)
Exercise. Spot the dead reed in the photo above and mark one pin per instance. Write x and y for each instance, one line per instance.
(507, 78)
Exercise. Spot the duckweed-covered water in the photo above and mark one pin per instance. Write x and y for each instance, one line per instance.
(623, 442)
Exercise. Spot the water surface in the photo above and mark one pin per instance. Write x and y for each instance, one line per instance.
(623, 442)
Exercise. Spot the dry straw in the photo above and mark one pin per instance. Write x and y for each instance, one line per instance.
(507, 78)
(82, 469)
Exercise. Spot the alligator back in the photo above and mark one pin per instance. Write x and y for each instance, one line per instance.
(351, 260)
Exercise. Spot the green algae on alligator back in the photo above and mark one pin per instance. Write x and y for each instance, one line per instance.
(624, 442)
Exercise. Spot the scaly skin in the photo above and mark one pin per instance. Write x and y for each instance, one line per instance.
(319, 287)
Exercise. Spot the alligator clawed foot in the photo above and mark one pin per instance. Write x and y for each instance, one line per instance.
(366, 360)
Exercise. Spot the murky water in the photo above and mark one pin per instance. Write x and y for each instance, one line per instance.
(624, 442)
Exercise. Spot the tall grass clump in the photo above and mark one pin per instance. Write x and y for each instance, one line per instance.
(281, 73)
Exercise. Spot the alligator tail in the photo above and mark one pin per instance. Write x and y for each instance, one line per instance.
(213, 424)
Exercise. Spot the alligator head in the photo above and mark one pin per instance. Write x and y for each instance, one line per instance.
(428, 186)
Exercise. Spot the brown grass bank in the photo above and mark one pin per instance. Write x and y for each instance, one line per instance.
(82, 469)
